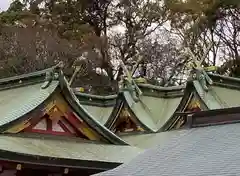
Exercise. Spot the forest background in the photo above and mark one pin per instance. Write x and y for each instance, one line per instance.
(37, 34)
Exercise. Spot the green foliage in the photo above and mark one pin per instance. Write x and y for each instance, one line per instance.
(87, 22)
(204, 22)
(16, 6)
(193, 9)
(13, 13)
(9, 17)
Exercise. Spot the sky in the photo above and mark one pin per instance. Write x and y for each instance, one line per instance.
(4, 4)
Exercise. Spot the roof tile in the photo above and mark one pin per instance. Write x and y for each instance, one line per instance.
(196, 152)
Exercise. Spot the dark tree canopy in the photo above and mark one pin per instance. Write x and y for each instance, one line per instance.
(112, 30)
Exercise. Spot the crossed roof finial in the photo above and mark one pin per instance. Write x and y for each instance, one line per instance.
(198, 70)
(80, 66)
(128, 80)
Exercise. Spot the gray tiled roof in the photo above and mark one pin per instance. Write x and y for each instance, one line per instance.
(146, 141)
(196, 152)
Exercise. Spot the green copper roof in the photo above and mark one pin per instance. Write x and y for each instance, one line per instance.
(153, 112)
(68, 149)
(101, 114)
(161, 109)
(224, 93)
(17, 102)
(99, 107)
(228, 97)
(99, 97)
(140, 111)
(209, 97)
(24, 94)
(85, 115)
(95, 100)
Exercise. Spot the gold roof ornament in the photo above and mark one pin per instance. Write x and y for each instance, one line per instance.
(210, 68)
(140, 80)
(194, 104)
(139, 128)
(125, 112)
(81, 89)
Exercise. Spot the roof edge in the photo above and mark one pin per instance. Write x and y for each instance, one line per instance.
(55, 162)
(161, 88)
(100, 97)
(114, 96)
(29, 75)
(128, 102)
(116, 109)
(224, 77)
(91, 121)
(189, 92)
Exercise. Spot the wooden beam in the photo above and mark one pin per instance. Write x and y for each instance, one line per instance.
(214, 117)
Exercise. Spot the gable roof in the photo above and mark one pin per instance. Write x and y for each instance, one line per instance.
(16, 102)
(223, 90)
(20, 95)
(198, 151)
(100, 107)
(88, 118)
(158, 107)
(219, 94)
(23, 94)
(227, 113)
(122, 109)
(190, 94)
(155, 106)
(151, 112)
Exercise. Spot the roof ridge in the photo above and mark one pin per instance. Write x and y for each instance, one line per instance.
(29, 75)
(230, 78)
(162, 88)
(105, 97)
(114, 96)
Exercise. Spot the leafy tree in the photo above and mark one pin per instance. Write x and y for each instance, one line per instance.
(64, 29)
(201, 23)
